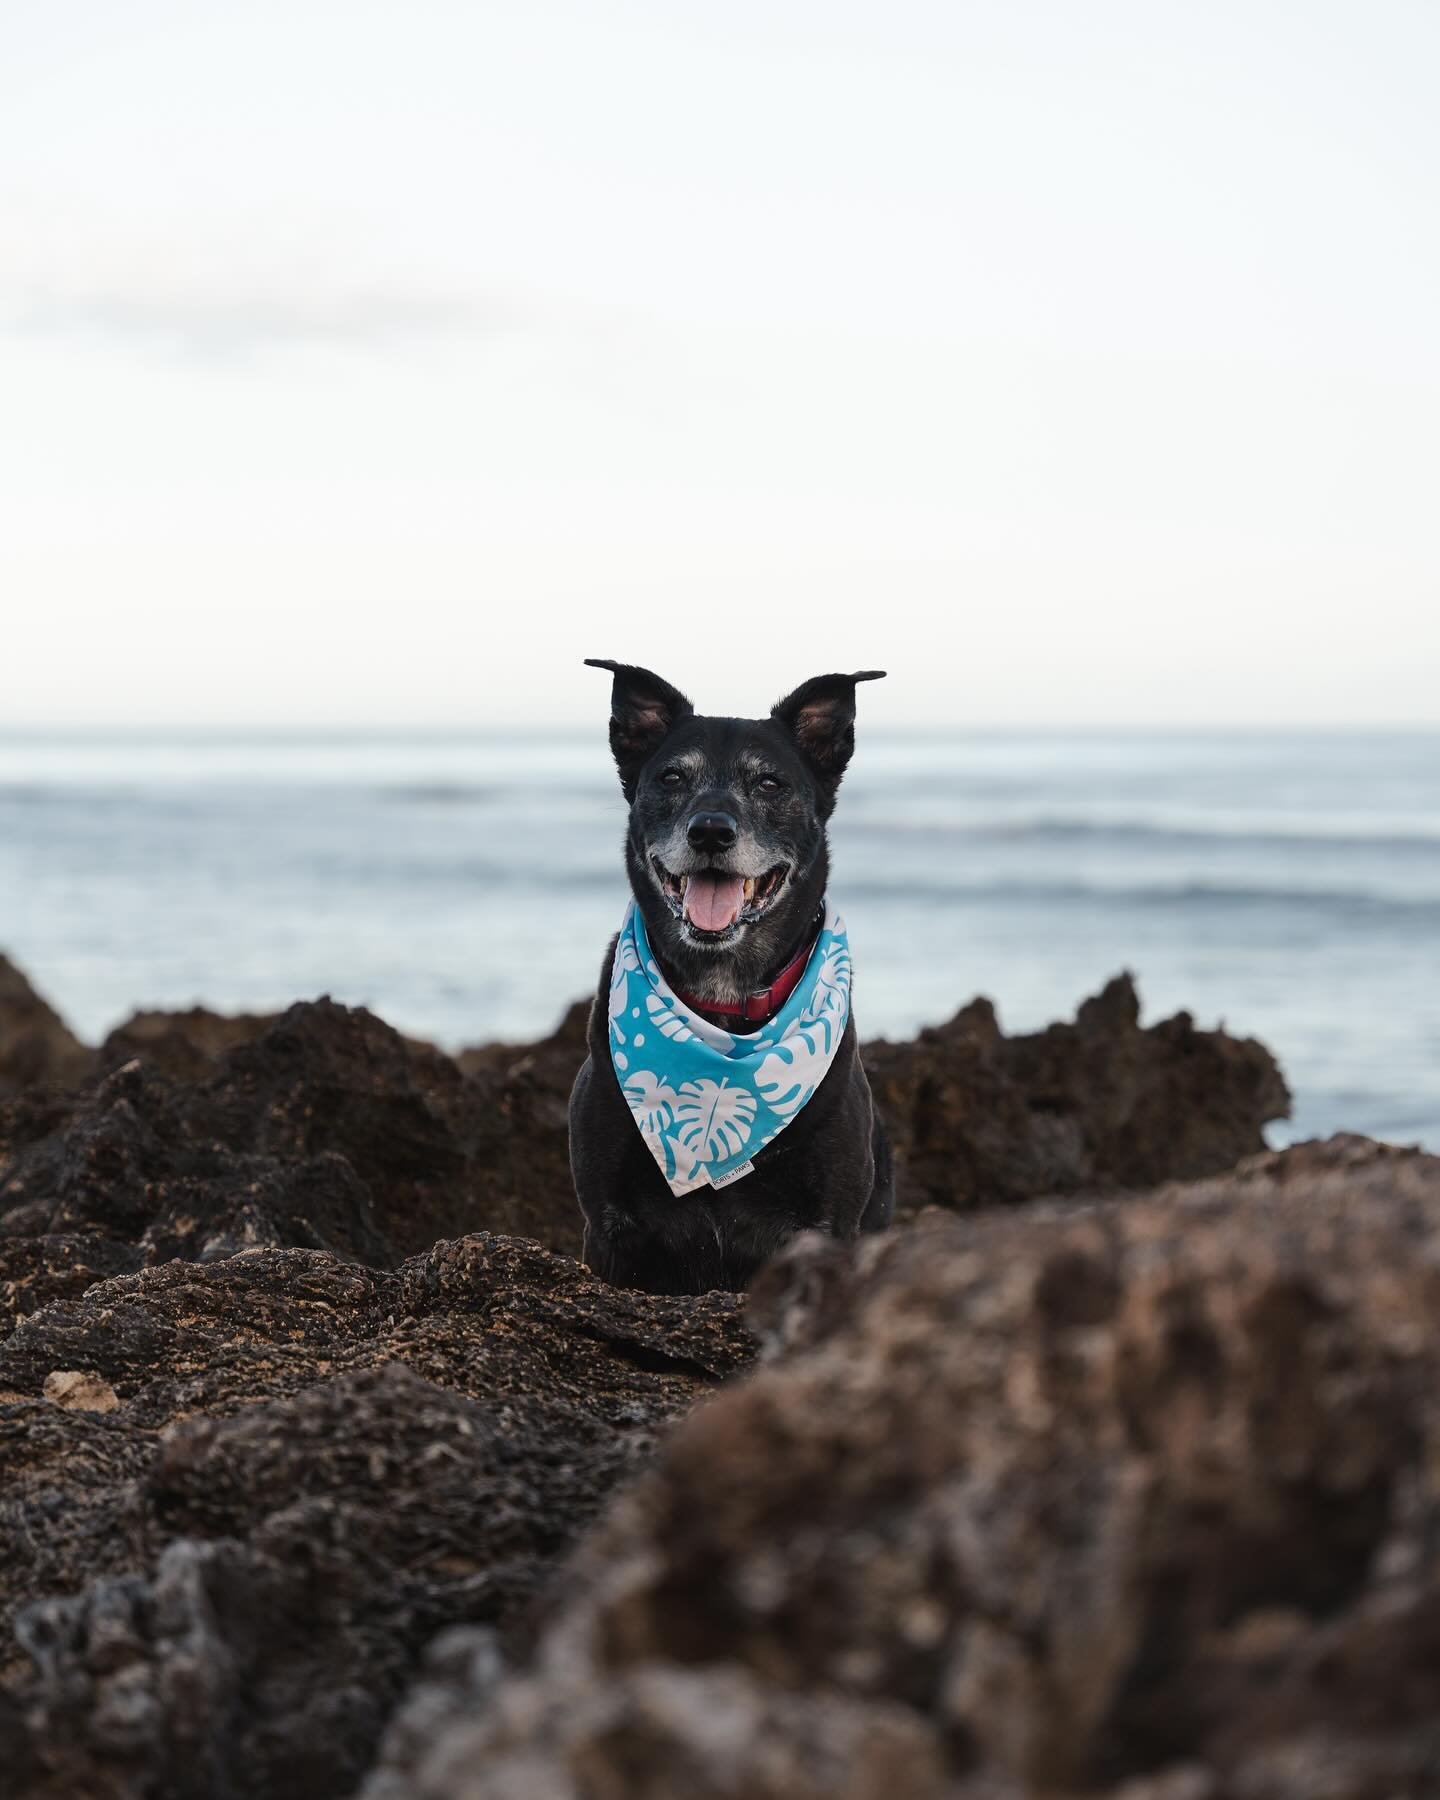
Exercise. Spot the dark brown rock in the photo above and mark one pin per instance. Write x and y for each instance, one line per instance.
(438, 1146)
(525, 1090)
(186, 1045)
(58, 1266)
(261, 1486)
(1138, 1498)
(999, 1512)
(657, 1733)
(328, 1130)
(37, 1048)
(979, 1119)
(130, 1175)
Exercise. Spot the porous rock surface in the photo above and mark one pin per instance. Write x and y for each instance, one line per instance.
(981, 1119)
(326, 1130)
(238, 1499)
(1039, 1499)
(201, 1136)
(36, 1045)
(1138, 1499)
(187, 1045)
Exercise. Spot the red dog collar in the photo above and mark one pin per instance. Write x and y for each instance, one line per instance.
(761, 1007)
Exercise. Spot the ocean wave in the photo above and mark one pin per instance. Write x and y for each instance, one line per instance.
(1422, 840)
(552, 793)
(439, 793)
(40, 793)
(1354, 905)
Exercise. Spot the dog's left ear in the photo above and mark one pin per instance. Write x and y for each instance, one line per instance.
(820, 716)
(644, 710)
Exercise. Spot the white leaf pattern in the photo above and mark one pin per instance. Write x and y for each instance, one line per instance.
(708, 1099)
(651, 1100)
(666, 1021)
(678, 1162)
(626, 959)
(714, 1117)
(832, 984)
(797, 1065)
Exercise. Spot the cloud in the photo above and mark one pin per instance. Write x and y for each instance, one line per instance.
(216, 320)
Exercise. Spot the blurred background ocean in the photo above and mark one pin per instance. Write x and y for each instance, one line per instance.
(464, 886)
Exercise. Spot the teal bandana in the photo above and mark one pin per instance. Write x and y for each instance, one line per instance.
(706, 1099)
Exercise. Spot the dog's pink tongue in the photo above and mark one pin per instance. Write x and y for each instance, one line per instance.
(713, 901)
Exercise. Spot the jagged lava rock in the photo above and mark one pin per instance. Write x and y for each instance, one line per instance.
(130, 1175)
(37, 1048)
(1138, 1498)
(262, 1485)
(980, 1119)
(504, 1124)
(241, 1490)
(481, 1142)
(328, 1130)
(186, 1045)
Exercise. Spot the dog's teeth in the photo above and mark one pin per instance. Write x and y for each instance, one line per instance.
(684, 883)
(749, 888)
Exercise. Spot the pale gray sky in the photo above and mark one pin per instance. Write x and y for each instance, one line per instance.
(376, 362)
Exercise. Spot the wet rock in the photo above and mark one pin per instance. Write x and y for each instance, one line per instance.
(221, 1585)
(481, 1141)
(37, 1048)
(186, 1045)
(432, 1145)
(136, 1160)
(328, 1130)
(335, 1080)
(1138, 1498)
(1085, 1495)
(524, 1094)
(56, 1266)
(979, 1119)
(655, 1733)
(551, 1062)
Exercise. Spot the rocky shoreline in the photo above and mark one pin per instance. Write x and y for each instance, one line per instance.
(327, 1470)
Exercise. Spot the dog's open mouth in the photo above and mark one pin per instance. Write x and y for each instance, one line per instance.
(713, 901)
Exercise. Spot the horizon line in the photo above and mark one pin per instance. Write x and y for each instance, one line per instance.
(296, 730)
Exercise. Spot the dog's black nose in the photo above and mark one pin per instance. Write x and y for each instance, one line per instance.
(711, 831)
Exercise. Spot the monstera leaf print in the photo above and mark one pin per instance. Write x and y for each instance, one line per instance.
(678, 1162)
(666, 1021)
(713, 1118)
(625, 960)
(832, 984)
(651, 1100)
(796, 1066)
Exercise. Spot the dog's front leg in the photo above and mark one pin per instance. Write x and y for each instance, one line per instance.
(613, 1253)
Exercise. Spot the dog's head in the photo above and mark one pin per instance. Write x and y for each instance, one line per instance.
(726, 845)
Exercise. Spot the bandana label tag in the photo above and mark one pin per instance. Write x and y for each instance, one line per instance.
(719, 1181)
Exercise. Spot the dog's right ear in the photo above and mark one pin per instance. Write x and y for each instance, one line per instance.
(643, 712)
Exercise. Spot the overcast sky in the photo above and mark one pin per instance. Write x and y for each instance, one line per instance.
(375, 363)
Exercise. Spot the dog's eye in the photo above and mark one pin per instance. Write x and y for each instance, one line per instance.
(770, 784)
(671, 778)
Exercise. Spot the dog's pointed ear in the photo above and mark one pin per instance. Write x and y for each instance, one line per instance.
(820, 716)
(644, 710)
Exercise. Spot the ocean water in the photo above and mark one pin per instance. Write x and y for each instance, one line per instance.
(465, 887)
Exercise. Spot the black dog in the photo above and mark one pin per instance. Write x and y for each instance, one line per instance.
(727, 857)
